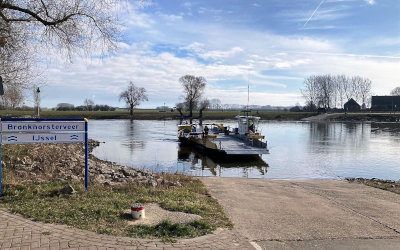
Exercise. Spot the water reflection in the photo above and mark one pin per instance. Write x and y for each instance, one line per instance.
(132, 132)
(325, 137)
(216, 165)
(390, 129)
(298, 150)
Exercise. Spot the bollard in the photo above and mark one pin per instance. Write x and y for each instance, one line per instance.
(137, 211)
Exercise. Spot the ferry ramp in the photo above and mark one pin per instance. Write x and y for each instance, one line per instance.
(234, 146)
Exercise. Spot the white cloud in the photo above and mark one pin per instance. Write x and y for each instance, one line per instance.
(133, 16)
(159, 74)
(274, 65)
(171, 17)
(200, 50)
(370, 2)
(239, 96)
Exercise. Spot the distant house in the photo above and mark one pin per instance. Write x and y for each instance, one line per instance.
(351, 105)
(385, 103)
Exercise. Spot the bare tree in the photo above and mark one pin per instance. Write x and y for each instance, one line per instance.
(330, 91)
(326, 90)
(88, 103)
(341, 85)
(355, 90)
(310, 90)
(179, 107)
(12, 98)
(71, 26)
(347, 89)
(133, 96)
(15, 64)
(364, 88)
(395, 91)
(319, 90)
(204, 104)
(193, 87)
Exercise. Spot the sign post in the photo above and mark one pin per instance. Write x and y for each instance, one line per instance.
(36, 130)
(86, 156)
(1, 169)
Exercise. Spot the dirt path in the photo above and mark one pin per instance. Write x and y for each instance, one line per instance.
(310, 214)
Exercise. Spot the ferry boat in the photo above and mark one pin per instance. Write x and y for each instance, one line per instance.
(244, 140)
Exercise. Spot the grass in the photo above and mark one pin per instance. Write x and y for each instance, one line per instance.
(102, 209)
(392, 186)
(369, 116)
(166, 230)
(150, 114)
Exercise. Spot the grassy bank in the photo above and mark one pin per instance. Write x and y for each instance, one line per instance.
(34, 176)
(150, 114)
(102, 209)
(370, 117)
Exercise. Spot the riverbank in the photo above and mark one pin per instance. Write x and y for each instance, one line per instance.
(152, 114)
(388, 185)
(45, 183)
(354, 117)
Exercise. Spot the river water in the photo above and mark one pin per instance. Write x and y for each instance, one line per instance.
(298, 150)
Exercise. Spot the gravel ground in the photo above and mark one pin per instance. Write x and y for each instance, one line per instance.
(155, 215)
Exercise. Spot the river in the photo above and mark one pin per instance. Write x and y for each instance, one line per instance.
(298, 150)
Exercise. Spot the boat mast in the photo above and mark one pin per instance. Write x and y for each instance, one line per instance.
(248, 95)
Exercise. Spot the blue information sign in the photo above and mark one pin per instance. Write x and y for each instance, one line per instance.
(36, 130)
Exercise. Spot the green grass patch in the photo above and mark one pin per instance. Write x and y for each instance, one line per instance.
(102, 209)
(167, 230)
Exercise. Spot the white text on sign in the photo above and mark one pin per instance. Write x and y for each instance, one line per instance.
(21, 138)
(37, 127)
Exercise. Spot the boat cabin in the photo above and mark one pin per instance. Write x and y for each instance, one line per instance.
(247, 124)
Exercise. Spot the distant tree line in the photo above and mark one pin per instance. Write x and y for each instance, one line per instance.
(71, 107)
(333, 91)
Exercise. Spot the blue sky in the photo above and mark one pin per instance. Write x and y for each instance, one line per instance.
(271, 45)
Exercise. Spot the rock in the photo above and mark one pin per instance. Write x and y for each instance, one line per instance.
(126, 172)
(67, 190)
(65, 163)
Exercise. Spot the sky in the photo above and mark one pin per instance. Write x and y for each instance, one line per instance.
(270, 45)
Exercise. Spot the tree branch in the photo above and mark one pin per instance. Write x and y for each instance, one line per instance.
(35, 15)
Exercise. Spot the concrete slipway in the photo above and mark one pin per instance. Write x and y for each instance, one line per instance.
(311, 214)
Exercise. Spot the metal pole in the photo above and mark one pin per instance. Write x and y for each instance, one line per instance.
(38, 101)
(1, 170)
(1, 164)
(86, 156)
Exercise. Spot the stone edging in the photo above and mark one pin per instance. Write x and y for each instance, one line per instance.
(21, 233)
